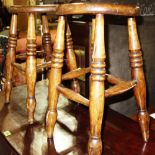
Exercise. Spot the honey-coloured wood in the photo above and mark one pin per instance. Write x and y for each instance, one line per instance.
(19, 67)
(22, 68)
(46, 39)
(75, 73)
(71, 59)
(92, 36)
(33, 9)
(31, 67)
(136, 62)
(55, 76)
(96, 107)
(10, 57)
(72, 95)
(113, 79)
(120, 88)
(95, 8)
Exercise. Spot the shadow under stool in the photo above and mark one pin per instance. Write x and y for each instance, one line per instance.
(97, 92)
(31, 65)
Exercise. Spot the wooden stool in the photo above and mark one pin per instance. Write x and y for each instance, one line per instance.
(98, 70)
(31, 68)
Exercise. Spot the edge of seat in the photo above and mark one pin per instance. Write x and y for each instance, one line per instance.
(95, 8)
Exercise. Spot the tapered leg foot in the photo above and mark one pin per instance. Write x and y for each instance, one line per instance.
(144, 121)
(95, 146)
(137, 73)
(97, 89)
(31, 104)
(55, 77)
(31, 71)
(51, 118)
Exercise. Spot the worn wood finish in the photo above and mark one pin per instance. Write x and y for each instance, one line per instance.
(120, 88)
(72, 95)
(55, 76)
(71, 59)
(97, 78)
(35, 8)
(19, 67)
(39, 66)
(43, 65)
(31, 67)
(94, 8)
(75, 73)
(92, 36)
(113, 79)
(137, 72)
(46, 39)
(10, 57)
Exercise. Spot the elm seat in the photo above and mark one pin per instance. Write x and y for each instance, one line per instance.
(32, 9)
(97, 69)
(95, 8)
(31, 64)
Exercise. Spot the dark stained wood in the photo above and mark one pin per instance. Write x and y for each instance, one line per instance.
(136, 62)
(94, 8)
(31, 70)
(127, 132)
(10, 57)
(5, 147)
(55, 75)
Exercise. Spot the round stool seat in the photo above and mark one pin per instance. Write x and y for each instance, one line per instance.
(95, 8)
(32, 9)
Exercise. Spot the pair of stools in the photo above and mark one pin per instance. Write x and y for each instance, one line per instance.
(97, 69)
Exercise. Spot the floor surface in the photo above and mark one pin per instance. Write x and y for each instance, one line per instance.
(121, 135)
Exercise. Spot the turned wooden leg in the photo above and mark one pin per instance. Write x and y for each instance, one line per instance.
(10, 57)
(71, 59)
(97, 78)
(46, 38)
(31, 67)
(55, 76)
(136, 61)
(92, 36)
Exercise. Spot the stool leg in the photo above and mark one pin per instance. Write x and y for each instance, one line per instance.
(137, 72)
(10, 57)
(46, 38)
(71, 59)
(31, 67)
(55, 76)
(97, 78)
